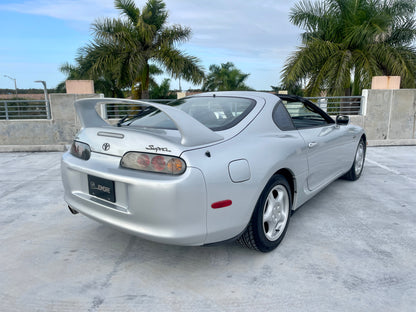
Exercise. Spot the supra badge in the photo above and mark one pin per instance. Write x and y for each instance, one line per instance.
(106, 146)
(157, 148)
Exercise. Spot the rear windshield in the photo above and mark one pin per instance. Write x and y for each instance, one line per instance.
(217, 113)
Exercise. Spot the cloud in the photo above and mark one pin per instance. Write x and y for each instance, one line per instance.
(254, 34)
(247, 26)
(70, 10)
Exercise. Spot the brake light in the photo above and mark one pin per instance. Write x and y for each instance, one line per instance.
(153, 163)
(80, 150)
(158, 163)
(143, 160)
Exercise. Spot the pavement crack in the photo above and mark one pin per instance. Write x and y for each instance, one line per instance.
(98, 300)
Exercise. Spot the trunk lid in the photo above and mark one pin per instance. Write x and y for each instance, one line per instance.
(117, 141)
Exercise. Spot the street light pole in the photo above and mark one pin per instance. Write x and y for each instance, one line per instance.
(15, 84)
(45, 91)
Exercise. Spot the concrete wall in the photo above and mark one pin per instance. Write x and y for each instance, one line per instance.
(390, 115)
(43, 135)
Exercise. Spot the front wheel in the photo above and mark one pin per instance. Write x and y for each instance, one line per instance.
(271, 216)
(357, 167)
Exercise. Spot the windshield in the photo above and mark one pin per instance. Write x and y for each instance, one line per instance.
(215, 112)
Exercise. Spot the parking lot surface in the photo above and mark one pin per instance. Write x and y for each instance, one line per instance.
(351, 248)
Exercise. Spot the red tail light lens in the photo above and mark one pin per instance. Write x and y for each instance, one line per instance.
(158, 163)
(153, 162)
(143, 160)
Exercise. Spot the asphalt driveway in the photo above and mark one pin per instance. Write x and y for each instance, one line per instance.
(351, 248)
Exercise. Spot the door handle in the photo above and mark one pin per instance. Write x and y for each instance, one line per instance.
(312, 144)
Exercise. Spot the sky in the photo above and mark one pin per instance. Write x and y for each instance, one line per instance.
(37, 36)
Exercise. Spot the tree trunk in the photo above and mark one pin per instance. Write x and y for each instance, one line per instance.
(145, 94)
(145, 84)
(136, 92)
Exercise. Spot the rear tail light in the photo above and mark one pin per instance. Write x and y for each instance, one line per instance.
(153, 162)
(80, 150)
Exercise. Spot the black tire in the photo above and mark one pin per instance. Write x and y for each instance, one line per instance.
(263, 235)
(358, 165)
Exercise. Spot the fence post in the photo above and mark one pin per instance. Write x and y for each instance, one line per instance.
(323, 104)
(48, 109)
(103, 111)
(363, 106)
(6, 111)
(47, 104)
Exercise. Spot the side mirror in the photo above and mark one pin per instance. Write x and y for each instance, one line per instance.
(342, 120)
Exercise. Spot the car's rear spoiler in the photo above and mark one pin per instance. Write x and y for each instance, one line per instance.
(193, 132)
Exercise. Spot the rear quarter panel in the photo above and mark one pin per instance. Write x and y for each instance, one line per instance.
(267, 150)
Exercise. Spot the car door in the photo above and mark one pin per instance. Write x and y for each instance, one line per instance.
(326, 142)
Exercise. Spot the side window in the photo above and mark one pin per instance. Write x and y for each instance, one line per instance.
(304, 115)
(282, 118)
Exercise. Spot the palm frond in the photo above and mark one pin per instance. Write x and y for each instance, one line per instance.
(155, 14)
(173, 35)
(180, 65)
(128, 8)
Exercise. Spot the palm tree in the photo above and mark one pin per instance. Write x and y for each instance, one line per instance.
(347, 42)
(136, 91)
(130, 44)
(161, 91)
(225, 78)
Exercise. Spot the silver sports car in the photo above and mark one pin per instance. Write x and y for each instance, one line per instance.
(208, 168)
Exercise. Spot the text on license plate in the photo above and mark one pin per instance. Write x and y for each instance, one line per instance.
(101, 188)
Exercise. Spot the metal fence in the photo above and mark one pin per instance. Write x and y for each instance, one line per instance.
(333, 105)
(339, 105)
(24, 109)
(119, 110)
(39, 109)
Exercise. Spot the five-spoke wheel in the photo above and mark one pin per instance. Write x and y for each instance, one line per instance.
(275, 212)
(271, 216)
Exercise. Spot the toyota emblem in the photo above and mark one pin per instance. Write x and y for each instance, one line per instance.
(106, 146)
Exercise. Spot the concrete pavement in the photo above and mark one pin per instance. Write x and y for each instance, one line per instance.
(351, 248)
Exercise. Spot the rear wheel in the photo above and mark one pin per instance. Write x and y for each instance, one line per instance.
(271, 216)
(357, 167)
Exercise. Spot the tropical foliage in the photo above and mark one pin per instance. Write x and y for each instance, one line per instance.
(161, 91)
(294, 89)
(108, 86)
(124, 49)
(347, 42)
(225, 77)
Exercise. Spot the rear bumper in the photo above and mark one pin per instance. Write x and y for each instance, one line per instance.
(157, 207)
